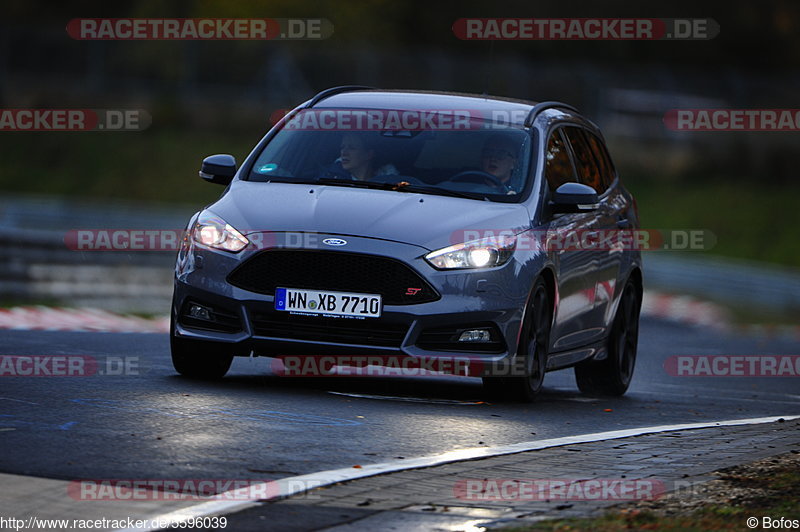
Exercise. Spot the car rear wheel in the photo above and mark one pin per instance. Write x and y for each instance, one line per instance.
(198, 359)
(531, 358)
(612, 375)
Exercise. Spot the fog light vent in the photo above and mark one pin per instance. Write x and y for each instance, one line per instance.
(208, 318)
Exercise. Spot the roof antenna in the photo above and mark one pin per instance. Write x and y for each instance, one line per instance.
(488, 70)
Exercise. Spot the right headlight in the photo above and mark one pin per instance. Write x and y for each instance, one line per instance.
(483, 253)
(212, 231)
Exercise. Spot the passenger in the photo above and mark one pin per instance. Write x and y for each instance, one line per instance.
(357, 158)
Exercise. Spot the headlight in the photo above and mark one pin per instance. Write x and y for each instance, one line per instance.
(484, 253)
(212, 231)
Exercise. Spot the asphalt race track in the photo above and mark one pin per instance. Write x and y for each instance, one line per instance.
(152, 423)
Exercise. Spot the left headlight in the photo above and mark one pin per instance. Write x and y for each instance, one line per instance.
(212, 231)
(484, 253)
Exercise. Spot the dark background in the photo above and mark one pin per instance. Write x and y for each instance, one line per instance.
(218, 96)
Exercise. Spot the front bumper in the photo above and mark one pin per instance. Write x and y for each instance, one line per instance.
(491, 298)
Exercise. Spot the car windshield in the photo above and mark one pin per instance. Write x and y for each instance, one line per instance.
(435, 152)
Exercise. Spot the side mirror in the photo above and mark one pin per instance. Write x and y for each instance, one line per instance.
(218, 169)
(574, 197)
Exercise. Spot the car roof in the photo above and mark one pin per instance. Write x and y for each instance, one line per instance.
(517, 110)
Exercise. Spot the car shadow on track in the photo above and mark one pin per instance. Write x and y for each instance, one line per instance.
(439, 389)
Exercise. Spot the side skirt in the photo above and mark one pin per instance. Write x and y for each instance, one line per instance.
(565, 359)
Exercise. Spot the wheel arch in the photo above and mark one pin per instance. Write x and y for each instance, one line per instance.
(549, 277)
(636, 277)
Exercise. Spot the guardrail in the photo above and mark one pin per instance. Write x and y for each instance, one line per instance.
(37, 266)
(735, 282)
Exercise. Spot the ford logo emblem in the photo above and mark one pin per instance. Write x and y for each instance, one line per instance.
(335, 241)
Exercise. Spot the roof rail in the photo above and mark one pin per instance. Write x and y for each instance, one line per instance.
(335, 90)
(541, 106)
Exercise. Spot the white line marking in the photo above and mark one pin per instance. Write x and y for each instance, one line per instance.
(294, 485)
(17, 400)
(705, 388)
(717, 397)
(409, 399)
(761, 395)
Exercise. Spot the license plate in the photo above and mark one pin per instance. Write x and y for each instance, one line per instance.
(328, 303)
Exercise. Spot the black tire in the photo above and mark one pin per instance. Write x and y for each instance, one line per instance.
(531, 357)
(612, 375)
(197, 359)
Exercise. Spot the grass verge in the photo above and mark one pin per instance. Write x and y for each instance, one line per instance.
(768, 488)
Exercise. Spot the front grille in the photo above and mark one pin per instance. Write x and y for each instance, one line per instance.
(333, 270)
(337, 330)
(222, 320)
(446, 339)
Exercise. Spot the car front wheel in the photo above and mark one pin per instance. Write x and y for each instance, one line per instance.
(198, 359)
(612, 375)
(531, 358)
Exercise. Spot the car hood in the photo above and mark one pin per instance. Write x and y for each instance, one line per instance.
(424, 220)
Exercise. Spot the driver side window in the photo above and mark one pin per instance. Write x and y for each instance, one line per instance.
(558, 167)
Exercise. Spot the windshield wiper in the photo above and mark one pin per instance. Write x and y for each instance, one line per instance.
(350, 183)
(436, 190)
(260, 178)
(400, 186)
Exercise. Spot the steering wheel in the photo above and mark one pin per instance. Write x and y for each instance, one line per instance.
(473, 176)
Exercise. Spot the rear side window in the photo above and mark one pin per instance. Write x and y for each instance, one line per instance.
(588, 171)
(558, 167)
(607, 171)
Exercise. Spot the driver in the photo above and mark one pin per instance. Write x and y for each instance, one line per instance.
(499, 158)
(357, 160)
(356, 157)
